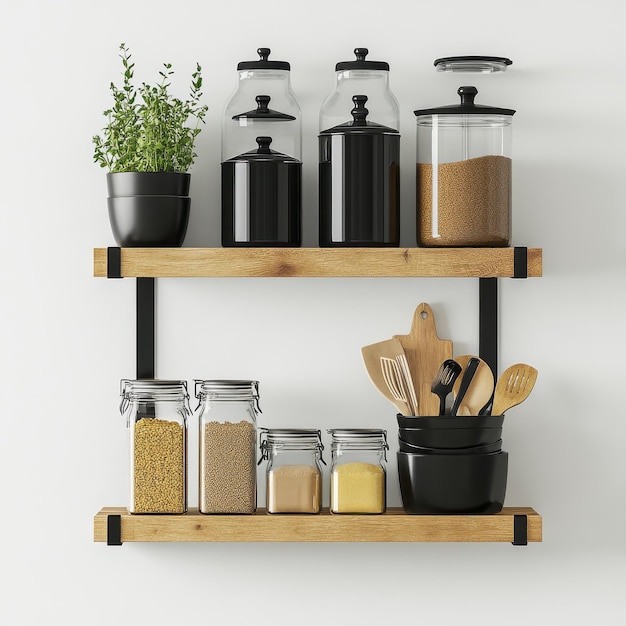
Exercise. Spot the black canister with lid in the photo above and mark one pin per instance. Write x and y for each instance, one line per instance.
(261, 198)
(359, 183)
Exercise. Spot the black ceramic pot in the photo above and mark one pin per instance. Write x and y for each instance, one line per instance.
(149, 209)
(149, 221)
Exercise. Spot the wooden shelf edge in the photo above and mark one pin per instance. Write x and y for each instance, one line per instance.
(319, 262)
(393, 526)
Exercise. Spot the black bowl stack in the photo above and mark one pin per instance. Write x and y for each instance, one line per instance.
(452, 465)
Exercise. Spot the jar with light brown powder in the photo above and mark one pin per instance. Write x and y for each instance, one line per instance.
(294, 472)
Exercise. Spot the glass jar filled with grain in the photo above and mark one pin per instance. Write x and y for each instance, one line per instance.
(156, 414)
(357, 471)
(294, 471)
(227, 412)
(463, 174)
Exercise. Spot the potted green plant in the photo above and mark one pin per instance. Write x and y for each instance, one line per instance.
(148, 147)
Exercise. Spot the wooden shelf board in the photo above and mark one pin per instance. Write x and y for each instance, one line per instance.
(318, 262)
(393, 526)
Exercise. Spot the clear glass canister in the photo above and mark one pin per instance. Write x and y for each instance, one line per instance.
(227, 445)
(294, 471)
(263, 104)
(463, 174)
(357, 472)
(361, 76)
(156, 414)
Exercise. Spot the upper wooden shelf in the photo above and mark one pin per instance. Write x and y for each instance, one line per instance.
(322, 262)
(393, 526)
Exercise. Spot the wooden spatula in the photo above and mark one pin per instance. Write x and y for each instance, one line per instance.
(480, 389)
(513, 387)
(425, 352)
(390, 348)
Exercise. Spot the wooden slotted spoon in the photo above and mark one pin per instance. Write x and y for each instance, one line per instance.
(513, 387)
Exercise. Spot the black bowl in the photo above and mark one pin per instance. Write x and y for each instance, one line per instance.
(449, 437)
(488, 448)
(449, 421)
(461, 484)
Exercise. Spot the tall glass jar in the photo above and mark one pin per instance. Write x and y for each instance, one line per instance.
(263, 104)
(357, 473)
(294, 471)
(227, 445)
(156, 414)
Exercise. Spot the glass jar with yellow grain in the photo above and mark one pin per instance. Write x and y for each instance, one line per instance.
(357, 472)
(156, 414)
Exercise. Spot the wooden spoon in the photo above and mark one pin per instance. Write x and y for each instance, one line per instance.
(480, 389)
(513, 387)
(390, 348)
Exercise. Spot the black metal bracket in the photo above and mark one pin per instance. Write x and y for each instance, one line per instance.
(520, 262)
(520, 530)
(145, 327)
(114, 263)
(488, 322)
(114, 530)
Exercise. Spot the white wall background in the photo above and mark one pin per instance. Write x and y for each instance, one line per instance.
(67, 338)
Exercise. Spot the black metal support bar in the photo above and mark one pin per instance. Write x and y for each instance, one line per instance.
(114, 530)
(520, 530)
(520, 262)
(145, 327)
(488, 322)
(114, 263)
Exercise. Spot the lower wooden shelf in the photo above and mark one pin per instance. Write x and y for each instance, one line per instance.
(115, 525)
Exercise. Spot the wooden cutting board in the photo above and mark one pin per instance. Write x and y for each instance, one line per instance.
(371, 357)
(425, 352)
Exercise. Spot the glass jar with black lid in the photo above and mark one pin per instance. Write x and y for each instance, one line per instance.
(359, 182)
(156, 414)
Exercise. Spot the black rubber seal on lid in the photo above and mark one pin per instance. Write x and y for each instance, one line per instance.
(263, 112)
(361, 63)
(466, 106)
(263, 63)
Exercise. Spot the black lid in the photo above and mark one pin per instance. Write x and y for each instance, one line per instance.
(466, 107)
(361, 63)
(263, 63)
(263, 112)
(359, 123)
(472, 63)
(263, 153)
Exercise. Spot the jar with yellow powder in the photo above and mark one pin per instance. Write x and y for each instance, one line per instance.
(357, 472)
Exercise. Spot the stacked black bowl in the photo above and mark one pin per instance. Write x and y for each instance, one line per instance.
(452, 465)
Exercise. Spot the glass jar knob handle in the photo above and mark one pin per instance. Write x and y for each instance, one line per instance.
(361, 53)
(359, 113)
(262, 104)
(467, 95)
(263, 53)
(264, 145)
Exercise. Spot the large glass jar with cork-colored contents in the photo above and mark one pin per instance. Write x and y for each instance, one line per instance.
(156, 414)
(294, 471)
(463, 174)
(357, 472)
(227, 418)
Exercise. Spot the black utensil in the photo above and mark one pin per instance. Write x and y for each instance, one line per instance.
(468, 374)
(444, 381)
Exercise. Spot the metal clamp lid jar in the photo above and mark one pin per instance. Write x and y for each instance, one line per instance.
(294, 472)
(357, 473)
(259, 82)
(156, 414)
(359, 182)
(227, 445)
(464, 173)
